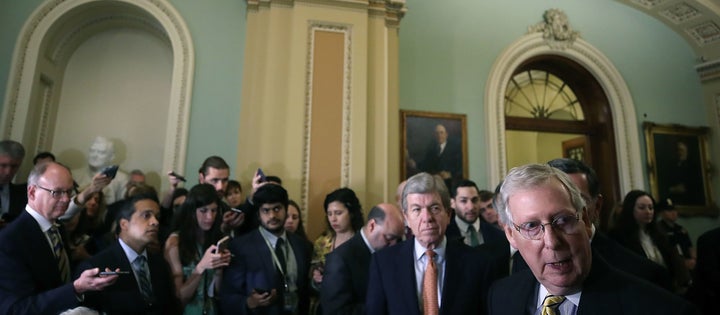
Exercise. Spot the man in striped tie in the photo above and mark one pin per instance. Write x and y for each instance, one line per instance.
(542, 212)
(34, 270)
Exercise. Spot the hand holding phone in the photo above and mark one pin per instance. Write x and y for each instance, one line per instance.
(261, 291)
(178, 176)
(261, 174)
(222, 244)
(113, 273)
(110, 171)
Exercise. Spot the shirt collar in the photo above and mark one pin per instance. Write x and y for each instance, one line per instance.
(367, 243)
(439, 250)
(271, 237)
(129, 252)
(463, 226)
(542, 292)
(45, 225)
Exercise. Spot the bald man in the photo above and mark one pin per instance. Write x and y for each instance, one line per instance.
(346, 268)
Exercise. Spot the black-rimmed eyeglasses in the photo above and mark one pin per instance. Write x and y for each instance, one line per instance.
(57, 194)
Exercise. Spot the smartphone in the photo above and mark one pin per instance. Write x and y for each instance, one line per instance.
(262, 175)
(110, 171)
(113, 273)
(236, 210)
(222, 244)
(261, 291)
(178, 176)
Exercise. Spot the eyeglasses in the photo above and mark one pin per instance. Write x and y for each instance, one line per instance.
(567, 224)
(57, 194)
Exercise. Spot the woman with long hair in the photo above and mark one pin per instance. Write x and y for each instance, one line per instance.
(637, 230)
(293, 222)
(190, 250)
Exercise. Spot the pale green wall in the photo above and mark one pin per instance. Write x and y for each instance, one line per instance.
(218, 34)
(448, 47)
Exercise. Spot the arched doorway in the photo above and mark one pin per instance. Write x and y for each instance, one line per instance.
(560, 103)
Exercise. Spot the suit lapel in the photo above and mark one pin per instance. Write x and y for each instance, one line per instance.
(406, 274)
(45, 260)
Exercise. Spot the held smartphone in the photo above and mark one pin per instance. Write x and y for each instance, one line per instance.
(110, 171)
(261, 291)
(236, 210)
(112, 273)
(222, 244)
(262, 175)
(178, 176)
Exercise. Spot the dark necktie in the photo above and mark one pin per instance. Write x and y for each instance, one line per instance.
(280, 254)
(59, 251)
(139, 265)
(429, 291)
(473, 236)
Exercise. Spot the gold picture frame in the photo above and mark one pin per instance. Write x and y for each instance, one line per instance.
(420, 150)
(679, 168)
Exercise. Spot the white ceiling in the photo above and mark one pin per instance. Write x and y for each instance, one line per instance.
(698, 21)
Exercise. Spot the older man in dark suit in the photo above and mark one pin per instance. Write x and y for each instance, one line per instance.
(35, 272)
(428, 274)
(269, 271)
(346, 268)
(542, 211)
(146, 288)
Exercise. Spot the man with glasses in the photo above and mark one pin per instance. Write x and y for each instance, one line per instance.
(542, 211)
(268, 273)
(346, 268)
(429, 273)
(35, 272)
(13, 197)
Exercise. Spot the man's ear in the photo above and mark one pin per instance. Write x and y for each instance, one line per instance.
(31, 190)
(452, 203)
(509, 234)
(123, 224)
(201, 177)
(371, 225)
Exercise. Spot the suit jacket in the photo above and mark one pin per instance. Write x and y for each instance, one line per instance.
(489, 233)
(623, 259)
(30, 281)
(606, 290)
(253, 267)
(124, 297)
(18, 200)
(449, 160)
(392, 287)
(345, 280)
(705, 290)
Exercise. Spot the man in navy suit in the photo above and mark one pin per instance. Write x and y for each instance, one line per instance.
(458, 274)
(147, 287)
(346, 268)
(466, 202)
(542, 211)
(35, 272)
(13, 197)
(269, 271)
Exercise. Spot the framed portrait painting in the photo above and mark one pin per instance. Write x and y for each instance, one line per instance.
(435, 143)
(678, 167)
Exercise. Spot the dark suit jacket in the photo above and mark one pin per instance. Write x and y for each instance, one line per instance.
(489, 233)
(124, 297)
(18, 200)
(392, 288)
(623, 259)
(705, 290)
(605, 291)
(29, 277)
(252, 267)
(450, 160)
(346, 278)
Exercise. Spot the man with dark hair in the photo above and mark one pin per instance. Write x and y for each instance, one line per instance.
(429, 272)
(13, 197)
(215, 171)
(147, 288)
(35, 273)
(346, 268)
(269, 271)
(44, 156)
(616, 255)
(487, 212)
(466, 223)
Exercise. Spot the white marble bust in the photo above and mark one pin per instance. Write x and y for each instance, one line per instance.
(100, 155)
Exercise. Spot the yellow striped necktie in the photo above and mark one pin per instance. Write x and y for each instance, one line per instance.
(551, 304)
(59, 251)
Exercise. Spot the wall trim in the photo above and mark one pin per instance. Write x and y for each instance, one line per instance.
(621, 103)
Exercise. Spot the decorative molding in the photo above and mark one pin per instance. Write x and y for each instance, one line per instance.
(705, 33)
(44, 20)
(314, 26)
(649, 4)
(681, 13)
(708, 70)
(555, 29)
(621, 103)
